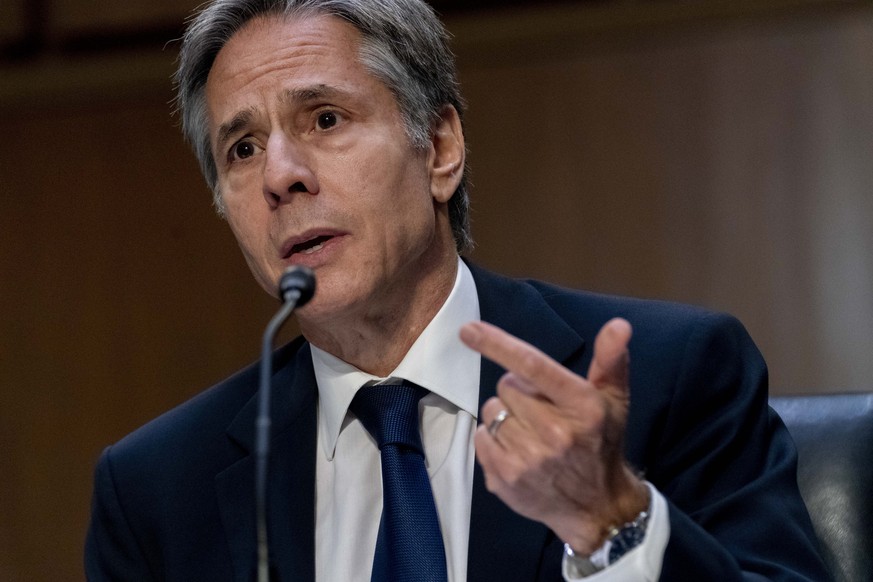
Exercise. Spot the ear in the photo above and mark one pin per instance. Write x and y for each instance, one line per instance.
(447, 155)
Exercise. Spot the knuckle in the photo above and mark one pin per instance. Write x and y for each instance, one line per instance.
(531, 364)
(514, 477)
(491, 484)
(491, 406)
(503, 384)
(561, 437)
(595, 418)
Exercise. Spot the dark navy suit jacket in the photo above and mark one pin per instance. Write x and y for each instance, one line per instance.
(174, 500)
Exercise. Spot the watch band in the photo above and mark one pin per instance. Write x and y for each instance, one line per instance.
(621, 540)
(576, 566)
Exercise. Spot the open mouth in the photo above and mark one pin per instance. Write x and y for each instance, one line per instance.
(310, 246)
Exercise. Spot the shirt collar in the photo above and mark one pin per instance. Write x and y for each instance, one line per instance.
(437, 361)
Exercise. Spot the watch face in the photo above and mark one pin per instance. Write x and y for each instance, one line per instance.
(625, 540)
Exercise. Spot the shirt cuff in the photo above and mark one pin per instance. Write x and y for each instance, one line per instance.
(643, 563)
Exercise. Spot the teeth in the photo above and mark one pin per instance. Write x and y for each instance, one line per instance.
(311, 250)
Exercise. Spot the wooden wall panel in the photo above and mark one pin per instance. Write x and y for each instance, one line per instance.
(726, 166)
(12, 23)
(67, 17)
(122, 295)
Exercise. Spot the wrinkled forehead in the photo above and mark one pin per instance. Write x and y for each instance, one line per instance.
(275, 48)
(269, 34)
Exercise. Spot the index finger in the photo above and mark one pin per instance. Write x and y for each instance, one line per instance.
(545, 375)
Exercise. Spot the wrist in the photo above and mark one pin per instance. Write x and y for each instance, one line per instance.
(630, 499)
(619, 541)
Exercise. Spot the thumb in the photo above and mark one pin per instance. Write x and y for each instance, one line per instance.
(609, 365)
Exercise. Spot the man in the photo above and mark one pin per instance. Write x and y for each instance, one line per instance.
(330, 132)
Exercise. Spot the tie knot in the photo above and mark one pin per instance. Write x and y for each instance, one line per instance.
(389, 412)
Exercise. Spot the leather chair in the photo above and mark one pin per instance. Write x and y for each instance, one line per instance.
(834, 438)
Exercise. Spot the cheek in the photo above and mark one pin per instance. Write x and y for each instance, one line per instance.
(242, 221)
(251, 233)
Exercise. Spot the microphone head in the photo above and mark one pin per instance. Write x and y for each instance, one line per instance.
(297, 278)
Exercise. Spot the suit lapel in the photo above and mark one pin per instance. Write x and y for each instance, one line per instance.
(291, 493)
(503, 544)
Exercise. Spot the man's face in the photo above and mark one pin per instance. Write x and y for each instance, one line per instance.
(315, 166)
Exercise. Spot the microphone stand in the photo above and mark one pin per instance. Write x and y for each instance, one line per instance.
(296, 287)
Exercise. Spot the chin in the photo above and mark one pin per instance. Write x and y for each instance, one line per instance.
(322, 309)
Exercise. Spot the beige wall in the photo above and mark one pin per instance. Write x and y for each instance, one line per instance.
(704, 157)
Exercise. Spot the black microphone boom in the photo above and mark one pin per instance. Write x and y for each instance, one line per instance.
(296, 288)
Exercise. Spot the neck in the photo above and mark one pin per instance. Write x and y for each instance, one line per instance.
(377, 339)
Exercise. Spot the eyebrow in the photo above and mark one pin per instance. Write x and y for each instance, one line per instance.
(307, 94)
(300, 95)
(237, 122)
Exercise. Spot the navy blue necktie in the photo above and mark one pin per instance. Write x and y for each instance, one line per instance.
(410, 546)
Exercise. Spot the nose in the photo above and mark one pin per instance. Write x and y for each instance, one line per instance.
(288, 171)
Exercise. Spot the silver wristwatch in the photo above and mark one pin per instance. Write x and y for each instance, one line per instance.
(621, 540)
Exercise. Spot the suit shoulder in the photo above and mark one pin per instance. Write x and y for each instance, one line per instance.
(661, 325)
(654, 316)
(196, 423)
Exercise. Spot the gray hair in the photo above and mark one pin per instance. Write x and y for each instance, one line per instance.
(403, 44)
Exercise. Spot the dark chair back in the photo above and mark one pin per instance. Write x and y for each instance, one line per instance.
(834, 438)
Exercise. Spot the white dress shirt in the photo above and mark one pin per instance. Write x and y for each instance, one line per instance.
(348, 463)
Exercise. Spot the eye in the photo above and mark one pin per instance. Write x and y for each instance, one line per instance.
(241, 150)
(326, 120)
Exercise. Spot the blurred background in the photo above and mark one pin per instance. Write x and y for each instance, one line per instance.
(718, 153)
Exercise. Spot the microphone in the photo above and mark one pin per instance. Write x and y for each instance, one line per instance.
(297, 284)
(296, 288)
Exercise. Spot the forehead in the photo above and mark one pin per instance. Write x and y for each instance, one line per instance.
(269, 53)
(285, 40)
